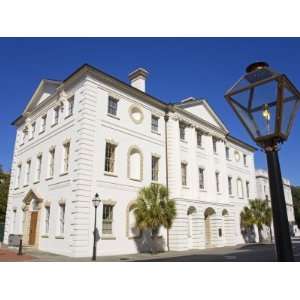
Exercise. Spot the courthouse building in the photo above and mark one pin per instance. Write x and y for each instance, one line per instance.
(92, 133)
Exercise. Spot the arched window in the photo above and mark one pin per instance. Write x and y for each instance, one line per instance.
(135, 164)
(240, 191)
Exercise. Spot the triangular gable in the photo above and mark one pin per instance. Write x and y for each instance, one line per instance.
(43, 91)
(32, 195)
(201, 109)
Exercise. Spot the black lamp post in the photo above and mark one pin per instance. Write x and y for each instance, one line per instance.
(96, 201)
(266, 102)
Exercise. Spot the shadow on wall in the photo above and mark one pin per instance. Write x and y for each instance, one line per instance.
(146, 243)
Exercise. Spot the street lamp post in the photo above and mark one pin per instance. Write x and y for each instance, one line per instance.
(266, 103)
(96, 201)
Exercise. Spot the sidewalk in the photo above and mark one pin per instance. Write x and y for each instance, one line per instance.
(10, 255)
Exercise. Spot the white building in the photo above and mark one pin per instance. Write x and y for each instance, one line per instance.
(94, 133)
(263, 192)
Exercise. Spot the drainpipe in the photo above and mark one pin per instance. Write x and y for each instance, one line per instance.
(166, 118)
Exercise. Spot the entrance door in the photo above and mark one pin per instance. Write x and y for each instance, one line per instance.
(33, 223)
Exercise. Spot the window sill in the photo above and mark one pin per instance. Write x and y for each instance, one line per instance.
(68, 116)
(155, 181)
(49, 178)
(155, 132)
(45, 236)
(185, 187)
(113, 116)
(35, 182)
(22, 144)
(219, 193)
(26, 185)
(108, 237)
(64, 173)
(200, 147)
(30, 139)
(16, 188)
(231, 196)
(59, 237)
(183, 141)
(216, 153)
(53, 125)
(110, 174)
(134, 179)
(203, 190)
(41, 131)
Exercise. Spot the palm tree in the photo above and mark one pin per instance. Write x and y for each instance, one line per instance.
(247, 220)
(259, 209)
(153, 209)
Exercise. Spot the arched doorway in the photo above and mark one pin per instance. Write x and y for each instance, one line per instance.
(210, 227)
(191, 212)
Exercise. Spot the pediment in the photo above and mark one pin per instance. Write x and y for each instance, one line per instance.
(45, 89)
(202, 110)
(32, 195)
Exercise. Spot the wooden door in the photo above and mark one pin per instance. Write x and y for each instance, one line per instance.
(33, 223)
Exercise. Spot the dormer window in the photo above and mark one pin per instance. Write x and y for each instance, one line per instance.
(182, 131)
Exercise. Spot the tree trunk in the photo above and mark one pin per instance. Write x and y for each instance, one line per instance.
(168, 246)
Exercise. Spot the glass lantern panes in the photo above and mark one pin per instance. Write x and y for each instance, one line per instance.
(266, 102)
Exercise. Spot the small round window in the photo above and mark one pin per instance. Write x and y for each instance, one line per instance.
(136, 114)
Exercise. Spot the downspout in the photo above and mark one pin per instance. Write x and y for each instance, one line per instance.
(166, 118)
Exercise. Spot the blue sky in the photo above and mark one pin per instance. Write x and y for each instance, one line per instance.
(178, 67)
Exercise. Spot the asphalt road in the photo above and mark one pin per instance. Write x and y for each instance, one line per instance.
(244, 253)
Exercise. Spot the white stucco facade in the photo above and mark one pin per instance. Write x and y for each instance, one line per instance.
(263, 192)
(137, 127)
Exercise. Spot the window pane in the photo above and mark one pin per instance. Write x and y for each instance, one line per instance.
(109, 157)
(155, 168)
(112, 106)
(154, 123)
(107, 219)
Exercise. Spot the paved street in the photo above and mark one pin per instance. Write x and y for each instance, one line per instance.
(241, 253)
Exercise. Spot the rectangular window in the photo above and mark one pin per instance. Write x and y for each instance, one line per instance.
(107, 219)
(217, 181)
(155, 161)
(27, 174)
(47, 219)
(66, 157)
(201, 178)
(112, 106)
(23, 136)
(227, 153)
(62, 209)
(38, 168)
(51, 162)
(110, 157)
(248, 189)
(70, 106)
(55, 115)
(19, 171)
(230, 185)
(43, 123)
(154, 123)
(182, 131)
(32, 130)
(199, 138)
(214, 141)
(184, 174)
(245, 160)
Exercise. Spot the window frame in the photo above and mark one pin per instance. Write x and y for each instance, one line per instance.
(55, 115)
(66, 157)
(43, 123)
(182, 132)
(201, 176)
(110, 160)
(184, 172)
(214, 142)
(230, 190)
(27, 172)
(38, 169)
(51, 165)
(107, 219)
(70, 106)
(217, 178)
(62, 218)
(155, 168)
(47, 219)
(199, 136)
(112, 106)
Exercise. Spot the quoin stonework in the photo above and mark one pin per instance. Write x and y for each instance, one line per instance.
(92, 133)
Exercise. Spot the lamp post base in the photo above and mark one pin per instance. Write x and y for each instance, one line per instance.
(281, 226)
